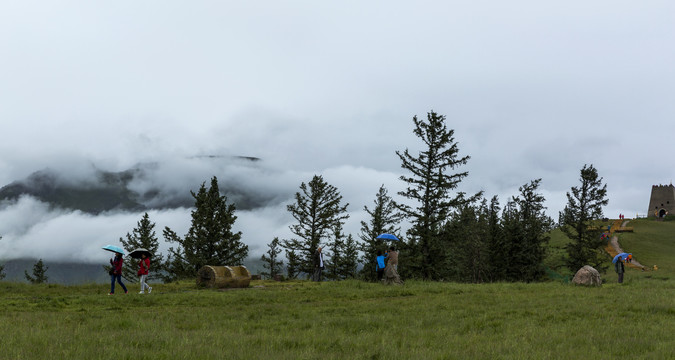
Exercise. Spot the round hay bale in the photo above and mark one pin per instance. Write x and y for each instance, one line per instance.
(223, 277)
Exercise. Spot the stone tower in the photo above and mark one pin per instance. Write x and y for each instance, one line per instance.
(662, 201)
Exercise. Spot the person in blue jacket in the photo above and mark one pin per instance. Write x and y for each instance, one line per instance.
(380, 265)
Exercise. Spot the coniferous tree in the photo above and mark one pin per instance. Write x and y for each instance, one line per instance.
(343, 252)
(2, 268)
(465, 232)
(350, 262)
(270, 260)
(511, 232)
(143, 236)
(210, 239)
(494, 238)
(430, 186)
(177, 265)
(384, 219)
(529, 248)
(317, 210)
(39, 273)
(293, 264)
(332, 259)
(584, 206)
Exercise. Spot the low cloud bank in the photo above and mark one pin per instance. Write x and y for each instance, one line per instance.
(32, 229)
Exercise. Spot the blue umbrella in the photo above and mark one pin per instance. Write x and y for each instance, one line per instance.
(387, 237)
(113, 248)
(623, 256)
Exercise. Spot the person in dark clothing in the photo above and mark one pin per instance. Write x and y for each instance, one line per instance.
(618, 267)
(116, 273)
(318, 264)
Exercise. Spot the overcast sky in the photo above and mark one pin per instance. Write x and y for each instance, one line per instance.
(532, 89)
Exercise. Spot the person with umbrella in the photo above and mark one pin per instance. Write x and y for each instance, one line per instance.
(143, 271)
(618, 267)
(116, 273)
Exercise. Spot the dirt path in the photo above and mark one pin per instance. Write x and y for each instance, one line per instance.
(615, 244)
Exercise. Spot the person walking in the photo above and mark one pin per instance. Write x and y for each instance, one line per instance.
(318, 264)
(380, 265)
(618, 267)
(391, 270)
(143, 271)
(116, 273)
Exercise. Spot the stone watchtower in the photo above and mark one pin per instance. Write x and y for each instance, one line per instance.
(662, 201)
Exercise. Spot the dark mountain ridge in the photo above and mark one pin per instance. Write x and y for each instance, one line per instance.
(111, 191)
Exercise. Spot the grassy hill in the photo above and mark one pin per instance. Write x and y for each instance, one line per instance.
(651, 242)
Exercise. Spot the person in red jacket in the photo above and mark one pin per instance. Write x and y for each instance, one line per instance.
(143, 273)
(116, 273)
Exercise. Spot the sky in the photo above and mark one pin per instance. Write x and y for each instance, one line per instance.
(532, 90)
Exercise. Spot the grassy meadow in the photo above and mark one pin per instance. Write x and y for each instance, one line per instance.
(354, 319)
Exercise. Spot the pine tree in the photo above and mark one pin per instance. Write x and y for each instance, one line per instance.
(270, 261)
(2, 268)
(494, 238)
(332, 259)
(210, 240)
(584, 206)
(317, 210)
(465, 234)
(529, 247)
(511, 232)
(143, 236)
(429, 185)
(177, 265)
(293, 264)
(384, 219)
(349, 264)
(39, 273)
(342, 256)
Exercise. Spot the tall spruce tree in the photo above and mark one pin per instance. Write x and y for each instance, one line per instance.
(210, 239)
(494, 238)
(529, 248)
(143, 236)
(584, 206)
(430, 186)
(2, 268)
(317, 210)
(504, 262)
(39, 273)
(293, 264)
(343, 252)
(270, 260)
(465, 234)
(384, 218)
(177, 265)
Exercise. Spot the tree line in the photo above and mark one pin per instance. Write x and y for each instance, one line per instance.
(452, 235)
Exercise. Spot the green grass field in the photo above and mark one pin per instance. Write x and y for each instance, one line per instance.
(354, 319)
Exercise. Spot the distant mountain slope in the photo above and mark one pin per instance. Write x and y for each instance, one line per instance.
(106, 191)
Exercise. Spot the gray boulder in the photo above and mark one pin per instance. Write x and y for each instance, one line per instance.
(587, 275)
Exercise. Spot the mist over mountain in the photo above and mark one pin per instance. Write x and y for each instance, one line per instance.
(65, 212)
(138, 189)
